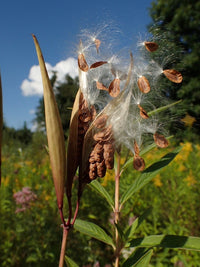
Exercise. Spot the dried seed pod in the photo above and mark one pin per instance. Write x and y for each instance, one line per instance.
(138, 163)
(100, 86)
(173, 75)
(97, 43)
(151, 46)
(114, 87)
(143, 113)
(144, 85)
(160, 140)
(97, 64)
(100, 122)
(82, 63)
(101, 169)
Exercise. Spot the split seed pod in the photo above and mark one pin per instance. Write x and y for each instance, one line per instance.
(160, 140)
(144, 85)
(151, 46)
(114, 87)
(54, 130)
(173, 75)
(82, 63)
(1, 123)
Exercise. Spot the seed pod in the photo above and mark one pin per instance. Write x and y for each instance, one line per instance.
(144, 85)
(101, 169)
(173, 75)
(114, 87)
(100, 86)
(82, 63)
(160, 140)
(143, 113)
(100, 122)
(151, 46)
(138, 163)
(97, 64)
(97, 43)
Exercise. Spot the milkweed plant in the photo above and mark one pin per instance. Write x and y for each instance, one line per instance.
(118, 105)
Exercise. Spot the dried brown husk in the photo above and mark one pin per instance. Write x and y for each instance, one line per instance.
(173, 75)
(82, 63)
(151, 46)
(97, 64)
(54, 130)
(143, 113)
(97, 43)
(1, 122)
(100, 86)
(108, 154)
(160, 140)
(138, 163)
(144, 85)
(114, 87)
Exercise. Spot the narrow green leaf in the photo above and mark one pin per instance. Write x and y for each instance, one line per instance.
(141, 262)
(102, 191)
(70, 262)
(163, 108)
(167, 241)
(131, 229)
(94, 231)
(148, 174)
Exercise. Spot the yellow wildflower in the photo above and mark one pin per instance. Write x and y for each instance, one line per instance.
(188, 120)
(157, 181)
(190, 179)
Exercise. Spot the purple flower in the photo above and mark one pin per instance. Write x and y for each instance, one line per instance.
(23, 199)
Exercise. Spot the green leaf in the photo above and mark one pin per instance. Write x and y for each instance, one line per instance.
(148, 174)
(163, 108)
(70, 262)
(102, 191)
(131, 229)
(144, 259)
(94, 231)
(167, 241)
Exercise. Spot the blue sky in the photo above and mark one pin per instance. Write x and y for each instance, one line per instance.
(57, 25)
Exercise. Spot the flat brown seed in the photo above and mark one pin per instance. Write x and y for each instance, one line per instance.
(151, 46)
(100, 86)
(82, 63)
(100, 122)
(114, 87)
(97, 64)
(144, 85)
(138, 163)
(97, 43)
(160, 140)
(143, 113)
(173, 75)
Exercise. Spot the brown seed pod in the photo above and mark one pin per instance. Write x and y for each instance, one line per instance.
(173, 75)
(97, 43)
(82, 63)
(151, 46)
(114, 87)
(143, 113)
(101, 169)
(144, 85)
(100, 122)
(138, 163)
(100, 86)
(160, 140)
(97, 64)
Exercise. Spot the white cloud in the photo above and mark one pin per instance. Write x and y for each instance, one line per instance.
(33, 84)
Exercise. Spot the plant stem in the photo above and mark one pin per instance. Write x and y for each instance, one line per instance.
(63, 247)
(117, 178)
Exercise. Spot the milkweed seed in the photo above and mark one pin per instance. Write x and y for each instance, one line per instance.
(160, 140)
(138, 163)
(97, 43)
(114, 87)
(100, 122)
(173, 75)
(143, 113)
(151, 46)
(97, 64)
(82, 63)
(144, 85)
(100, 86)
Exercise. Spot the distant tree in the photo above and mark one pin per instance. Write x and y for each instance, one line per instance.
(178, 22)
(65, 94)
